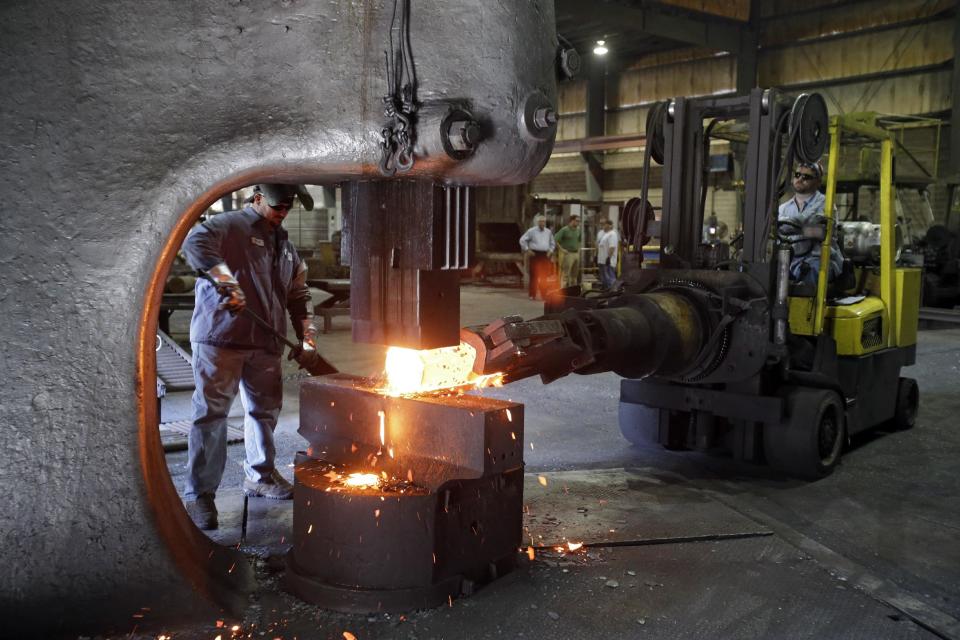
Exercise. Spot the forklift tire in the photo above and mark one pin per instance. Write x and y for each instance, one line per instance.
(908, 403)
(639, 423)
(809, 441)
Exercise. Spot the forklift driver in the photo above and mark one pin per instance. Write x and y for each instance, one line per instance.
(804, 208)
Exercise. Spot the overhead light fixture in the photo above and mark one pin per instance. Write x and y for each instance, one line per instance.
(600, 49)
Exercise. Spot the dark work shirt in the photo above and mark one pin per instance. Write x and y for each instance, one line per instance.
(268, 268)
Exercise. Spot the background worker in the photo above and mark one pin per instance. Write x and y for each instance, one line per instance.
(248, 255)
(803, 208)
(538, 245)
(608, 244)
(569, 239)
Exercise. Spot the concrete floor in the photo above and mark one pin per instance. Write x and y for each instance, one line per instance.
(870, 552)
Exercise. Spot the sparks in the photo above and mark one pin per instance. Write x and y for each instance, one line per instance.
(349, 636)
(383, 429)
(542, 480)
(531, 553)
(509, 415)
(362, 480)
(573, 546)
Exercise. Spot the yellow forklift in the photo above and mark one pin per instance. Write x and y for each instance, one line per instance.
(871, 312)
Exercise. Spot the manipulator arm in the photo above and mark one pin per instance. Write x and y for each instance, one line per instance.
(663, 333)
(520, 349)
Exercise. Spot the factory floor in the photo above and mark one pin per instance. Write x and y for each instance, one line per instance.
(689, 545)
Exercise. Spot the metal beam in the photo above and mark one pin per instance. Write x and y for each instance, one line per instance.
(600, 143)
(595, 121)
(596, 96)
(680, 25)
(747, 53)
(955, 106)
(691, 27)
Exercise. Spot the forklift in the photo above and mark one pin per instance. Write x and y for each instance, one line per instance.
(718, 348)
(843, 342)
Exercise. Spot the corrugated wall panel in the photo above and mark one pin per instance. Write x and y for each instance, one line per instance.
(914, 46)
(572, 97)
(787, 30)
(697, 78)
(912, 94)
(564, 163)
(778, 7)
(571, 127)
(736, 9)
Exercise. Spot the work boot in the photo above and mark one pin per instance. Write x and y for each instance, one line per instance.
(203, 512)
(274, 486)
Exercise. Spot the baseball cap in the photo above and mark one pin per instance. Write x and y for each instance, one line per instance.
(276, 194)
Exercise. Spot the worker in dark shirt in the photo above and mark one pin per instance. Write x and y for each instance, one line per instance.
(253, 264)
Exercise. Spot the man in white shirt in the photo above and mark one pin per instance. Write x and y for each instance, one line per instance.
(608, 243)
(538, 245)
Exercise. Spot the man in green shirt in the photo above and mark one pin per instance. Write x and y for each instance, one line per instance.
(569, 239)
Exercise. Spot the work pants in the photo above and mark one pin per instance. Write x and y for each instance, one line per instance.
(807, 271)
(608, 275)
(541, 268)
(218, 373)
(569, 268)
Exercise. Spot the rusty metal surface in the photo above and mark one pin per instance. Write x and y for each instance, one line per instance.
(435, 438)
(128, 120)
(448, 515)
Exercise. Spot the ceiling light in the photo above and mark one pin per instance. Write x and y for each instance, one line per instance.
(600, 49)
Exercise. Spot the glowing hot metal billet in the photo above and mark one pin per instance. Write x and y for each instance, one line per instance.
(437, 506)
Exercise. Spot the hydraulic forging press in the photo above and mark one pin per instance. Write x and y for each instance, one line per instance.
(404, 502)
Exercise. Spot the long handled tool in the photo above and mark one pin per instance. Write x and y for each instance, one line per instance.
(308, 359)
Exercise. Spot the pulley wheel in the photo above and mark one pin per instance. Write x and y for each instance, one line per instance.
(810, 115)
(656, 117)
(636, 219)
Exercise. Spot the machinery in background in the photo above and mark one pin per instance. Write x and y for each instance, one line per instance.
(941, 262)
(728, 352)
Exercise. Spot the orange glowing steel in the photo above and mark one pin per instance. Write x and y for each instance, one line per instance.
(362, 480)
(573, 546)
(412, 372)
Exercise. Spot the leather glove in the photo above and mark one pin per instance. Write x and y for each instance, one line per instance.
(231, 295)
(311, 361)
